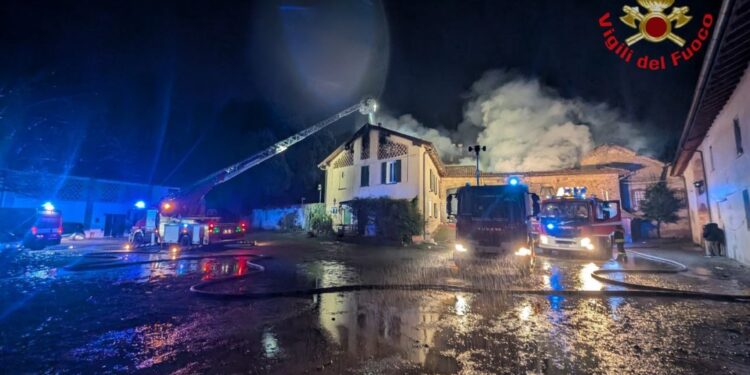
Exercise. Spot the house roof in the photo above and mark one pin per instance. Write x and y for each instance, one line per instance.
(367, 127)
(725, 62)
(470, 171)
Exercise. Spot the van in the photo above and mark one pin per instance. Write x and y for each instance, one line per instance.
(37, 228)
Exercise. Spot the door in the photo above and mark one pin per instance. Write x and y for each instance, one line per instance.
(114, 225)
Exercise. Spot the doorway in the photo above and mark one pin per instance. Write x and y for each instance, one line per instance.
(114, 225)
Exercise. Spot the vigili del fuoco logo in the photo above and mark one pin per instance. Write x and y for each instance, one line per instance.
(655, 23)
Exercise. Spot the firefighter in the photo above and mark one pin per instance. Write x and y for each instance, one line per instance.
(618, 239)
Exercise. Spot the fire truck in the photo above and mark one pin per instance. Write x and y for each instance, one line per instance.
(492, 221)
(180, 218)
(573, 222)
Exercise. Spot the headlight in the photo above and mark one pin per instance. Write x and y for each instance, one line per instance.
(543, 239)
(586, 242)
(523, 252)
(460, 247)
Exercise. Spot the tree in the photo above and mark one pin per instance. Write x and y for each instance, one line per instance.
(661, 205)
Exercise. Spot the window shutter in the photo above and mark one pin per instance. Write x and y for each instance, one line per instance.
(365, 176)
(738, 137)
(397, 171)
(383, 170)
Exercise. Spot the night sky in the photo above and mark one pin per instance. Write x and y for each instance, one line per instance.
(169, 91)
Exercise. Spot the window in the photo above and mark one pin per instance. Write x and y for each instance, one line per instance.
(433, 182)
(711, 156)
(390, 172)
(365, 154)
(738, 137)
(364, 179)
(435, 210)
(746, 199)
(342, 181)
(638, 196)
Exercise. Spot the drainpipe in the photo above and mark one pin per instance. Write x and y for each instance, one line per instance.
(424, 196)
(705, 183)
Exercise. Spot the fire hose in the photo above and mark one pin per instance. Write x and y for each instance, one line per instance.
(201, 288)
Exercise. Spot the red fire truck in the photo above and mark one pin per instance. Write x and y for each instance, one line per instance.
(491, 221)
(573, 222)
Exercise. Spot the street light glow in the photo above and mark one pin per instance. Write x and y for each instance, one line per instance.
(140, 205)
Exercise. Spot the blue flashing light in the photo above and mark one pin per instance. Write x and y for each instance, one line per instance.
(48, 206)
(513, 181)
(550, 226)
(140, 205)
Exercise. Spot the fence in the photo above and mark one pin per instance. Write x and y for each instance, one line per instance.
(271, 218)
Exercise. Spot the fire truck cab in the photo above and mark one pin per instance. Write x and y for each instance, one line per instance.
(491, 221)
(573, 222)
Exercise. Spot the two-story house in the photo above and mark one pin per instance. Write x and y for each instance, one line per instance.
(379, 162)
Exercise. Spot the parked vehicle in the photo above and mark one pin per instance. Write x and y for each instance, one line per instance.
(37, 227)
(572, 222)
(492, 221)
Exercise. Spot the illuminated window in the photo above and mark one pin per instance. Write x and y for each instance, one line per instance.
(638, 196)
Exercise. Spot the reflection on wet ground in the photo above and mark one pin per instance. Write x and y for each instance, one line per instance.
(142, 317)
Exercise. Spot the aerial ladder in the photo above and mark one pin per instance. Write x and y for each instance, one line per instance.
(181, 217)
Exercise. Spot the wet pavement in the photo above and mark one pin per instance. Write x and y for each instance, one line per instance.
(143, 318)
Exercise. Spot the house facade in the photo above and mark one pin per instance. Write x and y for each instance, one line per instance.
(379, 162)
(712, 153)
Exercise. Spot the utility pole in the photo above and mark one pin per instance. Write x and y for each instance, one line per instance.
(477, 149)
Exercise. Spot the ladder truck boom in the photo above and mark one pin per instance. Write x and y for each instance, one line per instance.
(188, 202)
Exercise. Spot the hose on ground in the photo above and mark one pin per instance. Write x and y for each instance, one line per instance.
(676, 268)
(202, 288)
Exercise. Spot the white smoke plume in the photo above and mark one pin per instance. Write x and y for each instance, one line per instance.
(408, 125)
(525, 125)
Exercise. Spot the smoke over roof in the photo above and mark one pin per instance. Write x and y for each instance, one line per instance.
(525, 125)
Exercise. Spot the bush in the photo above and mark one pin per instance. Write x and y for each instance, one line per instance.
(395, 220)
(289, 222)
(318, 219)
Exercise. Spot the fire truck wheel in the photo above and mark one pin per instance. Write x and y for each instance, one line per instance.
(138, 238)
